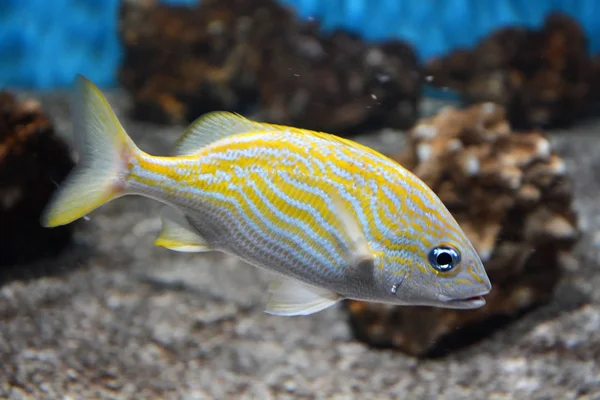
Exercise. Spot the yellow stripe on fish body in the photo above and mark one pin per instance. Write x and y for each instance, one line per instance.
(334, 218)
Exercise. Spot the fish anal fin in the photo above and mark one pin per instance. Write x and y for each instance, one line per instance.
(177, 234)
(290, 297)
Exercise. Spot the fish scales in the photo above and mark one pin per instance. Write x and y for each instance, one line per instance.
(335, 219)
(294, 217)
(298, 211)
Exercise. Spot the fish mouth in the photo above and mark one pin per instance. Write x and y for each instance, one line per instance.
(464, 303)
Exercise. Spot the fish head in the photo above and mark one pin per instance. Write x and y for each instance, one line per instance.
(439, 267)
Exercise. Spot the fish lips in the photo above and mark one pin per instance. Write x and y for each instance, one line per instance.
(470, 302)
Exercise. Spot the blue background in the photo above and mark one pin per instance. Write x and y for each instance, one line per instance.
(44, 43)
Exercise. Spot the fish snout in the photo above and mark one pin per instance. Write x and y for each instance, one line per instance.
(470, 292)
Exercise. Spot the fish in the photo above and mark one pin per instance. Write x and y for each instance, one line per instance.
(329, 219)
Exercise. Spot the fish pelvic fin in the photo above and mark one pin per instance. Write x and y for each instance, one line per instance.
(178, 234)
(290, 297)
(105, 155)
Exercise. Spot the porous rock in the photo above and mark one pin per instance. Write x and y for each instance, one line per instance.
(339, 83)
(510, 194)
(542, 77)
(242, 56)
(33, 161)
(180, 62)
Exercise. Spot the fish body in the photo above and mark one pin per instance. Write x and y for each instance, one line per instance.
(331, 218)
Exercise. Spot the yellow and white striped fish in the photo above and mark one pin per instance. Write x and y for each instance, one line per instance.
(333, 219)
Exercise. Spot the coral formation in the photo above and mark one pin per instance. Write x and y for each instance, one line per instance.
(33, 160)
(510, 194)
(542, 77)
(235, 55)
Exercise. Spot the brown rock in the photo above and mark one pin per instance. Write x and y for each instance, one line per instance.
(510, 194)
(542, 77)
(181, 62)
(235, 55)
(33, 161)
(340, 84)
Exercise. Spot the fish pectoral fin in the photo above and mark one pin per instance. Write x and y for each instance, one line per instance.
(359, 252)
(291, 297)
(177, 234)
(210, 128)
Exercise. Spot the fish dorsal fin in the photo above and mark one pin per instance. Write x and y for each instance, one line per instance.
(210, 128)
(291, 297)
(177, 234)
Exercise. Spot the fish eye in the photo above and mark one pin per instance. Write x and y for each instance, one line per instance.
(444, 258)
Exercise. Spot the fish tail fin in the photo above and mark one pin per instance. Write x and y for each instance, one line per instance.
(105, 155)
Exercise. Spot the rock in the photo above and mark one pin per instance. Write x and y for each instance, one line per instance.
(33, 161)
(542, 77)
(510, 194)
(339, 84)
(244, 56)
(181, 62)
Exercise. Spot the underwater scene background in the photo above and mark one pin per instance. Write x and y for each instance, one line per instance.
(494, 105)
